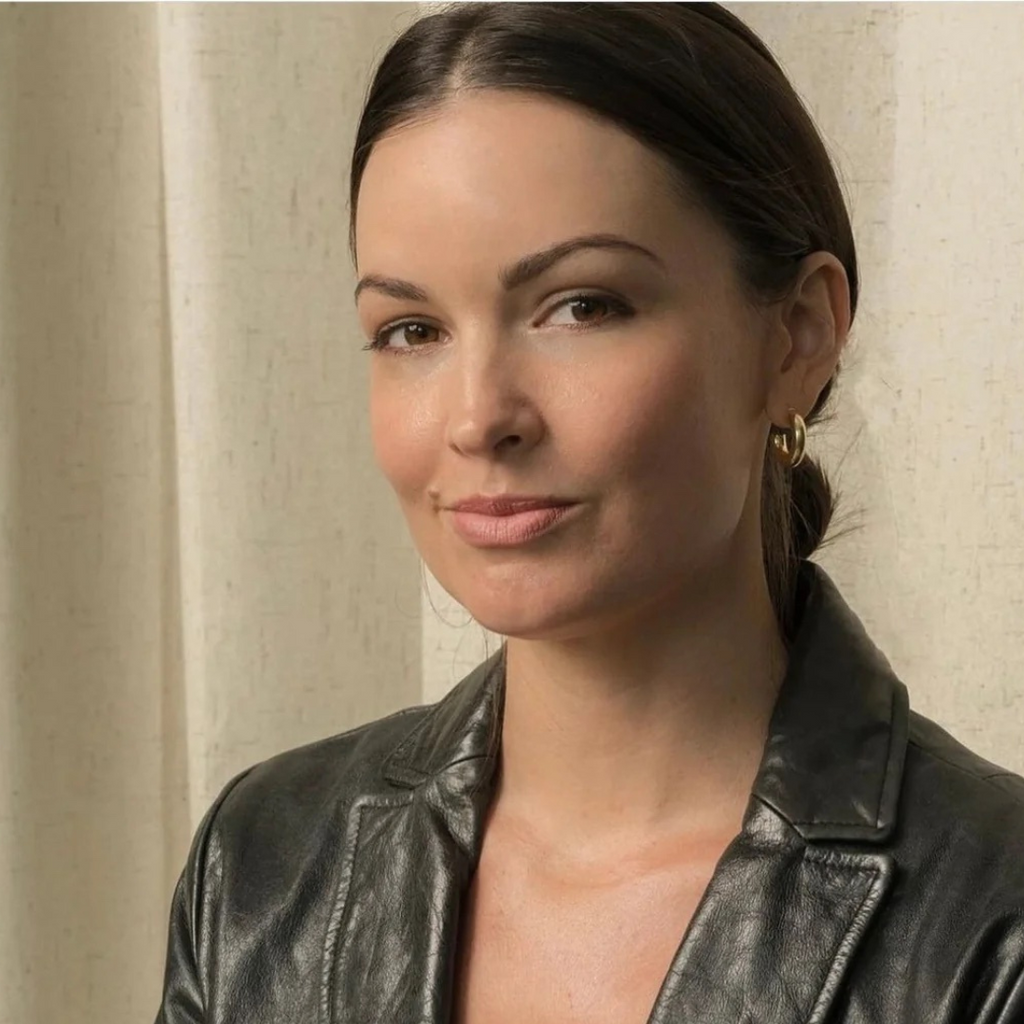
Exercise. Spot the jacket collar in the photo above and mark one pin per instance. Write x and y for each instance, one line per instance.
(776, 929)
(833, 759)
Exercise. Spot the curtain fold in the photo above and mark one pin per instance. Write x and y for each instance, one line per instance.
(200, 564)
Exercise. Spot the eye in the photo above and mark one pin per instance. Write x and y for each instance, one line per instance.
(586, 300)
(380, 338)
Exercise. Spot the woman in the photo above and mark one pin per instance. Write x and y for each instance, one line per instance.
(605, 264)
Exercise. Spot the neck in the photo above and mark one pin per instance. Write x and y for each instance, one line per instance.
(650, 727)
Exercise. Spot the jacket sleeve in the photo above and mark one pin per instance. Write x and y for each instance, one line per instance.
(187, 962)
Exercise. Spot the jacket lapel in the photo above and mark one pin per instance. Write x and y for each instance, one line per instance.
(790, 899)
(410, 855)
(795, 893)
(775, 931)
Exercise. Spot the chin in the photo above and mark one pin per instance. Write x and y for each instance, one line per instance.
(529, 621)
(527, 629)
(527, 617)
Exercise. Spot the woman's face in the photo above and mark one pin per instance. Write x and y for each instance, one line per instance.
(650, 414)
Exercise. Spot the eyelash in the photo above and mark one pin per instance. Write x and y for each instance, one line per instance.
(617, 307)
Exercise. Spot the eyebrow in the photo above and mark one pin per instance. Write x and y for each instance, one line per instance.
(520, 272)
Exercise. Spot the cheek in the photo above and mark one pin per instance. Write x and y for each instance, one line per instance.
(654, 421)
(662, 438)
(403, 440)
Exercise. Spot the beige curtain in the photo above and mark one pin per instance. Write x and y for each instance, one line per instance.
(200, 564)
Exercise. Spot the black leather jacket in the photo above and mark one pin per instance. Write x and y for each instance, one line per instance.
(878, 876)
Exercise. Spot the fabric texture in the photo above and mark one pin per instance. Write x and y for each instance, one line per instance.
(877, 876)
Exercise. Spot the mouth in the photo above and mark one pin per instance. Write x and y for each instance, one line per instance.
(508, 504)
(508, 529)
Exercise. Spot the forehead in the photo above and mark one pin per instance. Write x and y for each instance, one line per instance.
(503, 173)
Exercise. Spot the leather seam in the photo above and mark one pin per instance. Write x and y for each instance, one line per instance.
(367, 725)
(197, 910)
(334, 921)
(839, 961)
(379, 721)
(967, 771)
(341, 901)
(846, 822)
(827, 857)
(397, 753)
(888, 757)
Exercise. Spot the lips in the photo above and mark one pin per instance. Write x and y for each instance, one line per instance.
(502, 531)
(508, 505)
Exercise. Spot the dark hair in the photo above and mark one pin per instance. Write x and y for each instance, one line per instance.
(696, 85)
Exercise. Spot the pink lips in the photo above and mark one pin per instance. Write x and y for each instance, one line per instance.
(504, 528)
(507, 504)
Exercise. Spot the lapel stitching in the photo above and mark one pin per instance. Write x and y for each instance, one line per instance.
(341, 898)
(878, 872)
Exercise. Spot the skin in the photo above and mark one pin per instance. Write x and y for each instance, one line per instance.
(644, 657)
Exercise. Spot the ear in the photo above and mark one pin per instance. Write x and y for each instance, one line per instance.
(813, 322)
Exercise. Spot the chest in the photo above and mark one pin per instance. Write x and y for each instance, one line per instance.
(562, 953)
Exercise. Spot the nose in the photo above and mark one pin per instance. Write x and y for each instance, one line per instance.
(490, 403)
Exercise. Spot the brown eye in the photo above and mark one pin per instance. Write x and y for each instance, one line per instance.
(587, 302)
(584, 304)
(416, 333)
(412, 339)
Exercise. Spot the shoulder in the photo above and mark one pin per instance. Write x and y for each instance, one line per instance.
(961, 822)
(268, 850)
(306, 788)
(356, 753)
(973, 785)
(954, 919)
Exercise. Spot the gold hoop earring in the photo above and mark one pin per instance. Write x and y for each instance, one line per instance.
(791, 457)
